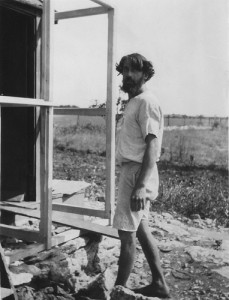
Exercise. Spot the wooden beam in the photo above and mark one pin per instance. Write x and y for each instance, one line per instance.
(33, 249)
(30, 10)
(0, 153)
(38, 111)
(46, 123)
(80, 111)
(20, 233)
(67, 219)
(7, 290)
(65, 236)
(28, 250)
(22, 102)
(102, 4)
(110, 120)
(79, 210)
(80, 13)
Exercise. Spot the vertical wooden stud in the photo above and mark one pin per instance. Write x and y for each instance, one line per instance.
(46, 124)
(0, 154)
(38, 96)
(110, 120)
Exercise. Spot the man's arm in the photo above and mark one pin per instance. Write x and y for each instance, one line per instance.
(138, 196)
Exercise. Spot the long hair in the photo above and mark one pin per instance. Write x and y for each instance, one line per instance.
(139, 63)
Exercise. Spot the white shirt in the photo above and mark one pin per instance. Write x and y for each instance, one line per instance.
(142, 116)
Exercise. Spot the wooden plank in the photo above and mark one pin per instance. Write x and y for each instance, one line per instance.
(33, 249)
(80, 111)
(38, 111)
(67, 219)
(25, 204)
(6, 283)
(0, 153)
(79, 210)
(110, 120)
(80, 13)
(46, 123)
(21, 211)
(5, 292)
(69, 187)
(65, 236)
(102, 4)
(20, 233)
(28, 250)
(22, 102)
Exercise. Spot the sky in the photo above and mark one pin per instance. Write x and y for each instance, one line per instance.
(186, 40)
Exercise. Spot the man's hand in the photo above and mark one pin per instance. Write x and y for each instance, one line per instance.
(138, 199)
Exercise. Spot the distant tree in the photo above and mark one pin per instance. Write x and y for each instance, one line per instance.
(200, 123)
(98, 105)
(184, 117)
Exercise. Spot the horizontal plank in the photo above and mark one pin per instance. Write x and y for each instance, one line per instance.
(20, 233)
(25, 204)
(80, 111)
(4, 292)
(79, 210)
(22, 102)
(32, 249)
(67, 219)
(25, 251)
(80, 13)
(65, 236)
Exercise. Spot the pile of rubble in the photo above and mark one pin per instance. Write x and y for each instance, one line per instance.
(194, 257)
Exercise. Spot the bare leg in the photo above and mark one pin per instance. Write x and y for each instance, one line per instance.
(158, 287)
(127, 256)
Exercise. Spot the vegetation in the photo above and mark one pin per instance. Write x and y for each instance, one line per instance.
(193, 167)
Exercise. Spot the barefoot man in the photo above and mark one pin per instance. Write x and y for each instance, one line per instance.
(138, 150)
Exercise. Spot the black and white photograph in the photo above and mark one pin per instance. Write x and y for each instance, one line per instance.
(114, 149)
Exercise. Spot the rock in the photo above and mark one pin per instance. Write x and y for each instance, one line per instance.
(25, 293)
(195, 217)
(54, 292)
(121, 293)
(157, 232)
(167, 216)
(21, 278)
(167, 246)
(209, 221)
(224, 271)
(201, 254)
(24, 268)
(173, 229)
(108, 254)
(225, 245)
(175, 222)
(98, 288)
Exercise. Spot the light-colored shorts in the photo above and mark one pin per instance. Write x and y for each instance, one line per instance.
(124, 218)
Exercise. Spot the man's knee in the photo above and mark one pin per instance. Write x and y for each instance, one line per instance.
(143, 229)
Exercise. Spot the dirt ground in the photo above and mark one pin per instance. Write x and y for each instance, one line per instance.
(187, 278)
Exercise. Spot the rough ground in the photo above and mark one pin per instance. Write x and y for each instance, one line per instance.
(194, 253)
(195, 262)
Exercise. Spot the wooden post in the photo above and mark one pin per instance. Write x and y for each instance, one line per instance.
(110, 121)
(46, 124)
(38, 111)
(0, 154)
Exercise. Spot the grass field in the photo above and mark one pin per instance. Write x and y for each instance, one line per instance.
(193, 168)
(189, 146)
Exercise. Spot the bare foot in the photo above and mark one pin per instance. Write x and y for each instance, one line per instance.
(153, 290)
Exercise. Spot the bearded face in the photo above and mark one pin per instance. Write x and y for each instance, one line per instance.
(132, 79)
(130, 85)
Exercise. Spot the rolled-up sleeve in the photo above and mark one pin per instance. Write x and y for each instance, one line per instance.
(149, 118)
